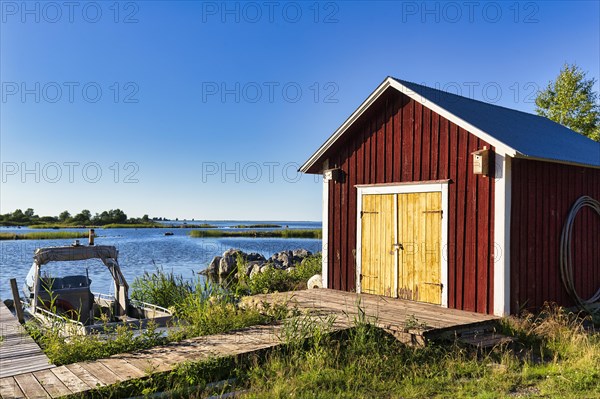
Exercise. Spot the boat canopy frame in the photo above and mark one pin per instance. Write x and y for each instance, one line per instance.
(108, 254)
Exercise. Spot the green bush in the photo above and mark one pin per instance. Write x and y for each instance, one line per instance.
(278, 280)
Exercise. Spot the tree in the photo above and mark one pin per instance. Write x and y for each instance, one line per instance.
(83, 217)
(145, 219)
(18, 216)
(571, 101)
(29, 212)
(64, 216)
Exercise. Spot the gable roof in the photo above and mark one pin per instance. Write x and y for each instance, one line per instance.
(513, 133)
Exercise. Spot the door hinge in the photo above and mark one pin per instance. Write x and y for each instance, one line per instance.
(441, 212)
(366, 212)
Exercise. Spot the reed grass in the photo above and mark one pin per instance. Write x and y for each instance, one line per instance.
(43, 235)
(257, 226)
(286, 233)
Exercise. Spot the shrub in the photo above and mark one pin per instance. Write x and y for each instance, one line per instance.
(277, 280)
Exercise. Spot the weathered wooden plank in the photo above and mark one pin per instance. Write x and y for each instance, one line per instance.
(18, 352)
(31, 386)
(121, 368)
(51, 383)
(146, 364)
(9, 389)
(70, 380)
(102, 373)
(84, 375)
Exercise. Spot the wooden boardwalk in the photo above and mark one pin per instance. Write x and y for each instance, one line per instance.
(392, 314)
(18, 352)
(408, 320)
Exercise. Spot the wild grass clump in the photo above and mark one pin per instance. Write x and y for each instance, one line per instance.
(65, 350)
(162, 288)
(554, 357)
(209, 310)
(131, 225)
(43, 235)
(286, 233)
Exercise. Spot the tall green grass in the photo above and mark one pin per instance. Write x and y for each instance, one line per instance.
(43, 235)
(287, 233)
(554, 357)
(162, 288)
(366, 362)
(199, 307)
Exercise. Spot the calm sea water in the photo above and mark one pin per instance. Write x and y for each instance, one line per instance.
(143, 250)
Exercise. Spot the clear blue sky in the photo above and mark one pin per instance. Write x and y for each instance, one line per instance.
(205, 109)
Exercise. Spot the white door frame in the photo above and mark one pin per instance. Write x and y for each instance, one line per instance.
(405, 188)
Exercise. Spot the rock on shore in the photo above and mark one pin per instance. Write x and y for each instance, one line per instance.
(226, 264)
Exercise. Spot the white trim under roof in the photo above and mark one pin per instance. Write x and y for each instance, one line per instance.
(403, 188)
(391, 82)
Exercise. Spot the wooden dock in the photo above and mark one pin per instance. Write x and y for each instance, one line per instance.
(402, 318)
(411, 322)
(18, 352)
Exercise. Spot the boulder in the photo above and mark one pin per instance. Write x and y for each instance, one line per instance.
(252, 265)
(301, 253)
(255, 270)
(285, 258)
(255, 257)
(315, 282)
(213, 268)
(228, 262)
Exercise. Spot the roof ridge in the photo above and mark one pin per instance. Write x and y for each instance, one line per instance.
(402, 81)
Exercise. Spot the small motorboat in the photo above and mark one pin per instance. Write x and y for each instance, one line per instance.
(69, 299)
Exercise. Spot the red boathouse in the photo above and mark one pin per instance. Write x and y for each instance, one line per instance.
(438, 198)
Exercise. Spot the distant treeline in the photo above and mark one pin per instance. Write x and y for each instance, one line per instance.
(65, 219)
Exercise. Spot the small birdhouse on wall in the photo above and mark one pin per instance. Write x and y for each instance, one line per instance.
(335, 174)
(482, 162)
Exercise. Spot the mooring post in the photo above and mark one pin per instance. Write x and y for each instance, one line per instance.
(17, 300)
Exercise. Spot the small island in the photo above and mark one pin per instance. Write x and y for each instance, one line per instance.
(286, 233)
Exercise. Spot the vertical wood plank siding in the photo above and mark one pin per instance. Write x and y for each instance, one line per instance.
(400, 140)
(542, 195)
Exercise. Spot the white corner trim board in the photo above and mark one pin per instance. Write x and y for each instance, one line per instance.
(325, 229)
(404, 188)
(502, 211)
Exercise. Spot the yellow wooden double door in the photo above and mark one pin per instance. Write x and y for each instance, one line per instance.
(400, 245)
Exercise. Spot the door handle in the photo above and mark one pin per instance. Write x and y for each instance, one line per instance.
(399, 246)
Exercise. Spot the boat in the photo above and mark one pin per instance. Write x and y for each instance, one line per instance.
(69, 299)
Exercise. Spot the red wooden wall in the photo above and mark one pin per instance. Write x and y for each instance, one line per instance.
(400, 140)
(542, 195)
